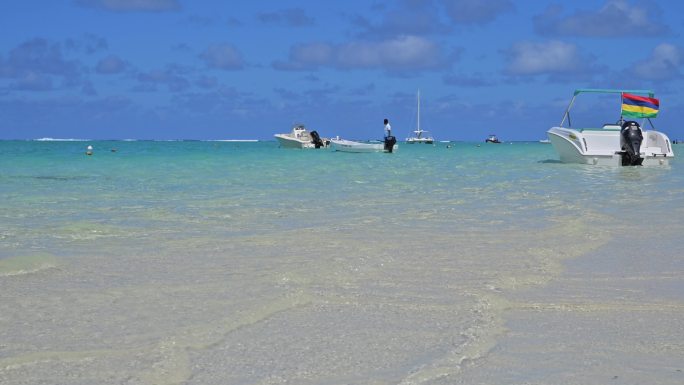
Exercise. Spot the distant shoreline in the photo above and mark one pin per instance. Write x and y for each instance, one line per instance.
(130, 140)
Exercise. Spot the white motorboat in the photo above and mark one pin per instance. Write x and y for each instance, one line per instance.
(353, 146)
(623, 143)
(420, 135)
(301, 138)
(492, 139)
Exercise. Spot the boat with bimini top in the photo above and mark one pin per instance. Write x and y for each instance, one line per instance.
(624, 142)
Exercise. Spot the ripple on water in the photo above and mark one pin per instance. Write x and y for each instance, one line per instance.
(27, 264)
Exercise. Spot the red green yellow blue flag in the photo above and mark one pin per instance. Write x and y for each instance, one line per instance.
(635, 106)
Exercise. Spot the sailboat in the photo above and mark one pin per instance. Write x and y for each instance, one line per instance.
(420, 135)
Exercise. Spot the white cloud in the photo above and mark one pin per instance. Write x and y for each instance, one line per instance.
(529, 58)
(110, 65)
(314, 53)
(408, 18)
(222, 56)
(34, 64)
(476, 11)
(170, 77)
(293, 17)
(32, 81)
(131, 5)
(663, 64)
(616, 18)
(400, 53)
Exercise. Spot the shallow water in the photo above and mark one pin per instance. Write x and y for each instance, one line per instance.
(243, 263)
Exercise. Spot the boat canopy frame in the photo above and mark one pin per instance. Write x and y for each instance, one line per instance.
(578, 91)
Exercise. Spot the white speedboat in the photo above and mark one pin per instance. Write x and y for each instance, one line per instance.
(623, 143)
(352, 146)
(492, 139)
(420, 135)
(301, 138)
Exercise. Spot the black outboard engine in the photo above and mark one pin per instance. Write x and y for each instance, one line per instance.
(390, 141)
(631, 138)
(316, 139)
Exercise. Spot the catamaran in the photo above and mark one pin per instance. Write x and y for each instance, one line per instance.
(420, 135)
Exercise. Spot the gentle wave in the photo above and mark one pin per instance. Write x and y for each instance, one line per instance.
(27, 264)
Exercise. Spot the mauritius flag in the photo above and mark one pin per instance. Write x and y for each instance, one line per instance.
(635, 106)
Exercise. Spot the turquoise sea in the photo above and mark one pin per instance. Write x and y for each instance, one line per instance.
(209, 262)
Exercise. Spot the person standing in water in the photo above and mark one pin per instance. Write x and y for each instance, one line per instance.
(389, 139)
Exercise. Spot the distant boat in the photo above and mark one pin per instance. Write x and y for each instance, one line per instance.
(492, 139)
(546, 141)
(343, 145)
(301, 138)
(420, 135)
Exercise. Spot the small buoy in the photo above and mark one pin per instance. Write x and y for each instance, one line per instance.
(113, 150)
(89, 150)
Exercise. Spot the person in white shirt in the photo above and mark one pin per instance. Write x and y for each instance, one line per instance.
(388, 128)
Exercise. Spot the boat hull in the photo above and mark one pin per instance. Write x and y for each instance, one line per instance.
(603, 146)
(352, 146)
(286, 141)
(419, 140)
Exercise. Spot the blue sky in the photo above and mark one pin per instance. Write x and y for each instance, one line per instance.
(210, 69)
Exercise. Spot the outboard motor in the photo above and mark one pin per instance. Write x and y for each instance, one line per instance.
(316, 139)
(390, 141)
(631, 138)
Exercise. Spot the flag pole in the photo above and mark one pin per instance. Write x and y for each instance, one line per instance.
(622, 101)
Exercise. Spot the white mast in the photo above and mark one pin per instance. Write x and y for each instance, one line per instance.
(418, 122)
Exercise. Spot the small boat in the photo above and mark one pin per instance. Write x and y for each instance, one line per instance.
(389, 145)
(623, 143)
(301, 138)
(545, 141)
(492, 139)
(420, 135)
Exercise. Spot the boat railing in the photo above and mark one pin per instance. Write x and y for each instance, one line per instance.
(566, 114)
